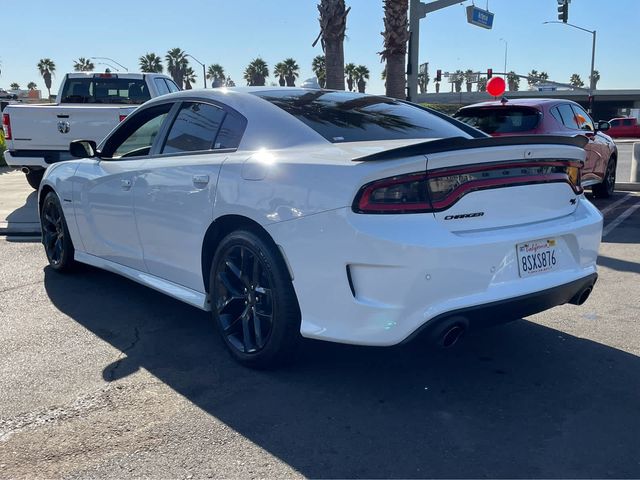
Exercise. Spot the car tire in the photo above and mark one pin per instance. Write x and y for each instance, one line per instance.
(55, 235)
(253, 301)
(608, 185)
(34, 177)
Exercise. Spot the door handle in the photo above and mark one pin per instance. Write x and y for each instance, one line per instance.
(125, 184)
(201, 180)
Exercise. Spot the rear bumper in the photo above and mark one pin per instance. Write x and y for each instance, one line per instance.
(35, 158)
(503, 311)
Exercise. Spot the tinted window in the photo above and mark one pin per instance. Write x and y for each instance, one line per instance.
(161, 85)
(172, 86)
(109, 89)
(628, 123)
(583, 119)
(195, 128)
(614, 123)
(568, 117)
(136, 136)
(351, 117)
(231, 132)
(500, 119)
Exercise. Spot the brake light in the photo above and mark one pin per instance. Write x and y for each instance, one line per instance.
(6, 126)
(440, 189)
(122, 117)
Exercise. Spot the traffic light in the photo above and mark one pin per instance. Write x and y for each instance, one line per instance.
(489, 73)
(563, 11)
(438, 75)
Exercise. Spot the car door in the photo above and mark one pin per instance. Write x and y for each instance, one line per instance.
(598, 142)
(571, 121)
(175, 196)
(104, 189)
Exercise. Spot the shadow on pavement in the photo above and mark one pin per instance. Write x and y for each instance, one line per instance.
(520, 400)
(617, 264)
(23, 219)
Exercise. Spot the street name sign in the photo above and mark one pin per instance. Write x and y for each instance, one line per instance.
(479, 17)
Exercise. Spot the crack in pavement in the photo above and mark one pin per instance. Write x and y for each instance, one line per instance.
(15, 287)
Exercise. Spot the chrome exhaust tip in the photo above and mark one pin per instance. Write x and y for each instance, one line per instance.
(25, 170)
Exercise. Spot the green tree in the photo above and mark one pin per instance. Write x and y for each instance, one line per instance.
(423, 82)
(596, 78)
(482, 84)
(333, 24)
(189, 78)
(256, 72)
(349, 69)
(291, 71)
(83, 65)
(361, 75)
(215, 73)
(469, 77)
(457, 80)
(576, 81)
(32, 85)
(319, 67)
(47, 68)
(513, 80)
(177, 65)
(229, 82)
(396, 36)
(532, 77)
(150, 63)
(279, 71)
(15, 86)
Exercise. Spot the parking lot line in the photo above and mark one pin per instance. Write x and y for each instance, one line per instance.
(619, 219)
(607, 209)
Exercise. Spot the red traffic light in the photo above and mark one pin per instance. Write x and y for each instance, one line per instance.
(489, 73)
(438, 75)
(496, 86)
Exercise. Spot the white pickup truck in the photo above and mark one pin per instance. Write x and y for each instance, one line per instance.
(89, 106)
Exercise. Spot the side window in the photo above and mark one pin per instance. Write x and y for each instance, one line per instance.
(556, 114)
(194, 129)
(583, 119)
(161, 85)
(231, 131)
(628, 123)
(615, 123)
(568, 117)
(172, 86)
(136, 136)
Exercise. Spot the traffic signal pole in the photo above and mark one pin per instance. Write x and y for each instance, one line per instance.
(417, 11)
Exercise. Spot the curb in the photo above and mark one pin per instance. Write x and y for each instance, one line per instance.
(628, 186)
(21, 229)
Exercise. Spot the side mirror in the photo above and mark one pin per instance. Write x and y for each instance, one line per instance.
(82, 148)
(603, 126)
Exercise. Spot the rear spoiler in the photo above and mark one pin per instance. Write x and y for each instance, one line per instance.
(461, 143)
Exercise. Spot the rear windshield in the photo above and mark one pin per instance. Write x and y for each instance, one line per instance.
(500, 119)
(351, 117)
(105, 90)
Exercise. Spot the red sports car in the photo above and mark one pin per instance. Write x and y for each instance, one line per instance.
(551, 117)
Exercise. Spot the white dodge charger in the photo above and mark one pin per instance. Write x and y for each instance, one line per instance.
(330, 215)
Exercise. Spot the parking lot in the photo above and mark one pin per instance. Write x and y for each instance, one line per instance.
(103, 377)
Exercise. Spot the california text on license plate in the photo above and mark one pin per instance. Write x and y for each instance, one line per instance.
(537, 256)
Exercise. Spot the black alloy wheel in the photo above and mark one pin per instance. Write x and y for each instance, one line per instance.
(253, 301)
(55, 235)
(608, 185)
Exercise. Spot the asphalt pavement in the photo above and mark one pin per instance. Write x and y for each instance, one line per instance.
(101, 377)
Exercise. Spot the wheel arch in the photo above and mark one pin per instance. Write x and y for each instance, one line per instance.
(221, 227)
(44, 191)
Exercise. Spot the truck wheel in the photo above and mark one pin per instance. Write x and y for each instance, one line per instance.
(34, 177)
(606, 188)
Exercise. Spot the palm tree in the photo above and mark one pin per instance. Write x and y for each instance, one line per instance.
(14, 86)
(47, 68)
(319, 67)
(280, 71)
(361, 75)
(292, 71)
(177, 64)
(532, 78)
(349, 69)
(333, 24)
(595, 79)
(423, 82)
(32, 85)
(189, 78)
(256, 72)
(544, 76)
(576, 81)
(229, 82)
(514, 81)
(83, 65)
(150, 63)
(215, 73)
(469, 77)
(458, 79)
(396, 36)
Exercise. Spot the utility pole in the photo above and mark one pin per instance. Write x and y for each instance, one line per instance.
(417, 11)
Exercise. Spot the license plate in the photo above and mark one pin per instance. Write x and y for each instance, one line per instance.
(537, 257)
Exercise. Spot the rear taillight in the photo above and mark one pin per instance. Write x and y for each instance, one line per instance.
(440, 189)
(122, 117)
(6, 126)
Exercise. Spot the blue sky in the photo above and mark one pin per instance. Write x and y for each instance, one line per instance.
(233, 32)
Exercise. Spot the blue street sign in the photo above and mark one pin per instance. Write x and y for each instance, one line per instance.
(481, 18)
